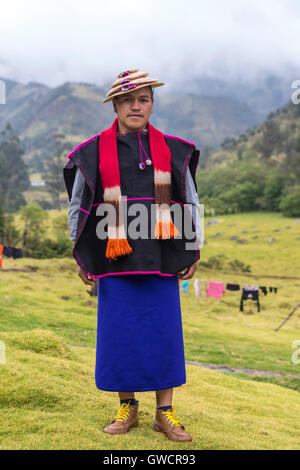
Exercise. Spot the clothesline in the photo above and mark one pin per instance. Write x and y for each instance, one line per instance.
(216, 286)
(216, 290)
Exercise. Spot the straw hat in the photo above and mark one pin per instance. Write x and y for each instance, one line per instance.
(128, 81)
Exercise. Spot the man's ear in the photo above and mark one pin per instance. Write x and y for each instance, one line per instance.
(152, 106)
(115, 104)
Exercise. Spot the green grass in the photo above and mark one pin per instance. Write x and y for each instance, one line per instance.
(48, 397)
(48, 400)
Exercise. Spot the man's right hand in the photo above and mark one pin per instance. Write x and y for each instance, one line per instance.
(86, 279)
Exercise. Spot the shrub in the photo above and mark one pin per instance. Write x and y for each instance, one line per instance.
(237, 265)
(214, 262)
(290, 204)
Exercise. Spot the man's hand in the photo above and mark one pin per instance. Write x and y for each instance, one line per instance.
(189, 272)
(85, 278)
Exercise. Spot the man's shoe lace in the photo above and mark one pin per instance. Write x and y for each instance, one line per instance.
(123, 412)
(171, 417)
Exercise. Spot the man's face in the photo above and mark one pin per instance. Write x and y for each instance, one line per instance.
(134, 109)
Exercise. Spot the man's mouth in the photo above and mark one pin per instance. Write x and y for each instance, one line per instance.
(135, 115)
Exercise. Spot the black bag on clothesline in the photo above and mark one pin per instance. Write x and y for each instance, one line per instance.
(250, 292)
(232, 286)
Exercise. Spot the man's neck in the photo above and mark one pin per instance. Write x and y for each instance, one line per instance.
(126, 130)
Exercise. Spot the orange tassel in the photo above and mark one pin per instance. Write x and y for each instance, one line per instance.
(117, 247)
(165, 230)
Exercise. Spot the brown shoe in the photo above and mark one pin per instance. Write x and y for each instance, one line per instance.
(168, 423)
(126, 418)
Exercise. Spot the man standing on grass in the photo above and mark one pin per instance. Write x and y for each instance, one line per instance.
(139, 335)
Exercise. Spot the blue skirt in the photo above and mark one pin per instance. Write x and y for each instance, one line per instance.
(139, 334)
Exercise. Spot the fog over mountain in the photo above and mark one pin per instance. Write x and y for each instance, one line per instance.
(53, 42)
(226, 65)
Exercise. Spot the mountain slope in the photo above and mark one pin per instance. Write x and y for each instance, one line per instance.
(276, 142)
(204, 119)
(36, 112)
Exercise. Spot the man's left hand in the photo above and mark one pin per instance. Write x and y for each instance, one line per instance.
(189, 272)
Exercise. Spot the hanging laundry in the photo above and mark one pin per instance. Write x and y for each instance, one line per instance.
(1, 251)
(12, 252)
(273, 288)
(263, 289)
(232, 286)
(197, 288)
(203, 287)
(7, 251)
(200, 287)
(17, 253)
(185, 286)
(252, 293)
(215, 289)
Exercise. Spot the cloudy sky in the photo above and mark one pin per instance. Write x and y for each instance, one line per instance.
(92, 40)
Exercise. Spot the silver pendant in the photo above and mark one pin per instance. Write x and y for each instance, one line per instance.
(142, 166)
(148, 162)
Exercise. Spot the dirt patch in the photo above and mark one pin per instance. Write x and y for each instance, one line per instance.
(243, 370)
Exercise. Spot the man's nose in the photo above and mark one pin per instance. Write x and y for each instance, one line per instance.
(135, 105)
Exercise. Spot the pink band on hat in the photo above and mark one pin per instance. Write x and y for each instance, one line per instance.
(124, 74)
(127, 80)
(129, 86)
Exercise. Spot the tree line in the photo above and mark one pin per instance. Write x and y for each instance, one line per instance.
(244, 186)
(31, 233)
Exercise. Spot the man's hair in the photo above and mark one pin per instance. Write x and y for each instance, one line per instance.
(115, 99)
(151, 90)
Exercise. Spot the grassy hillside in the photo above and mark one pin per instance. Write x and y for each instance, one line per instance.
(49, 401)
(276, 141)
(48, 321)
